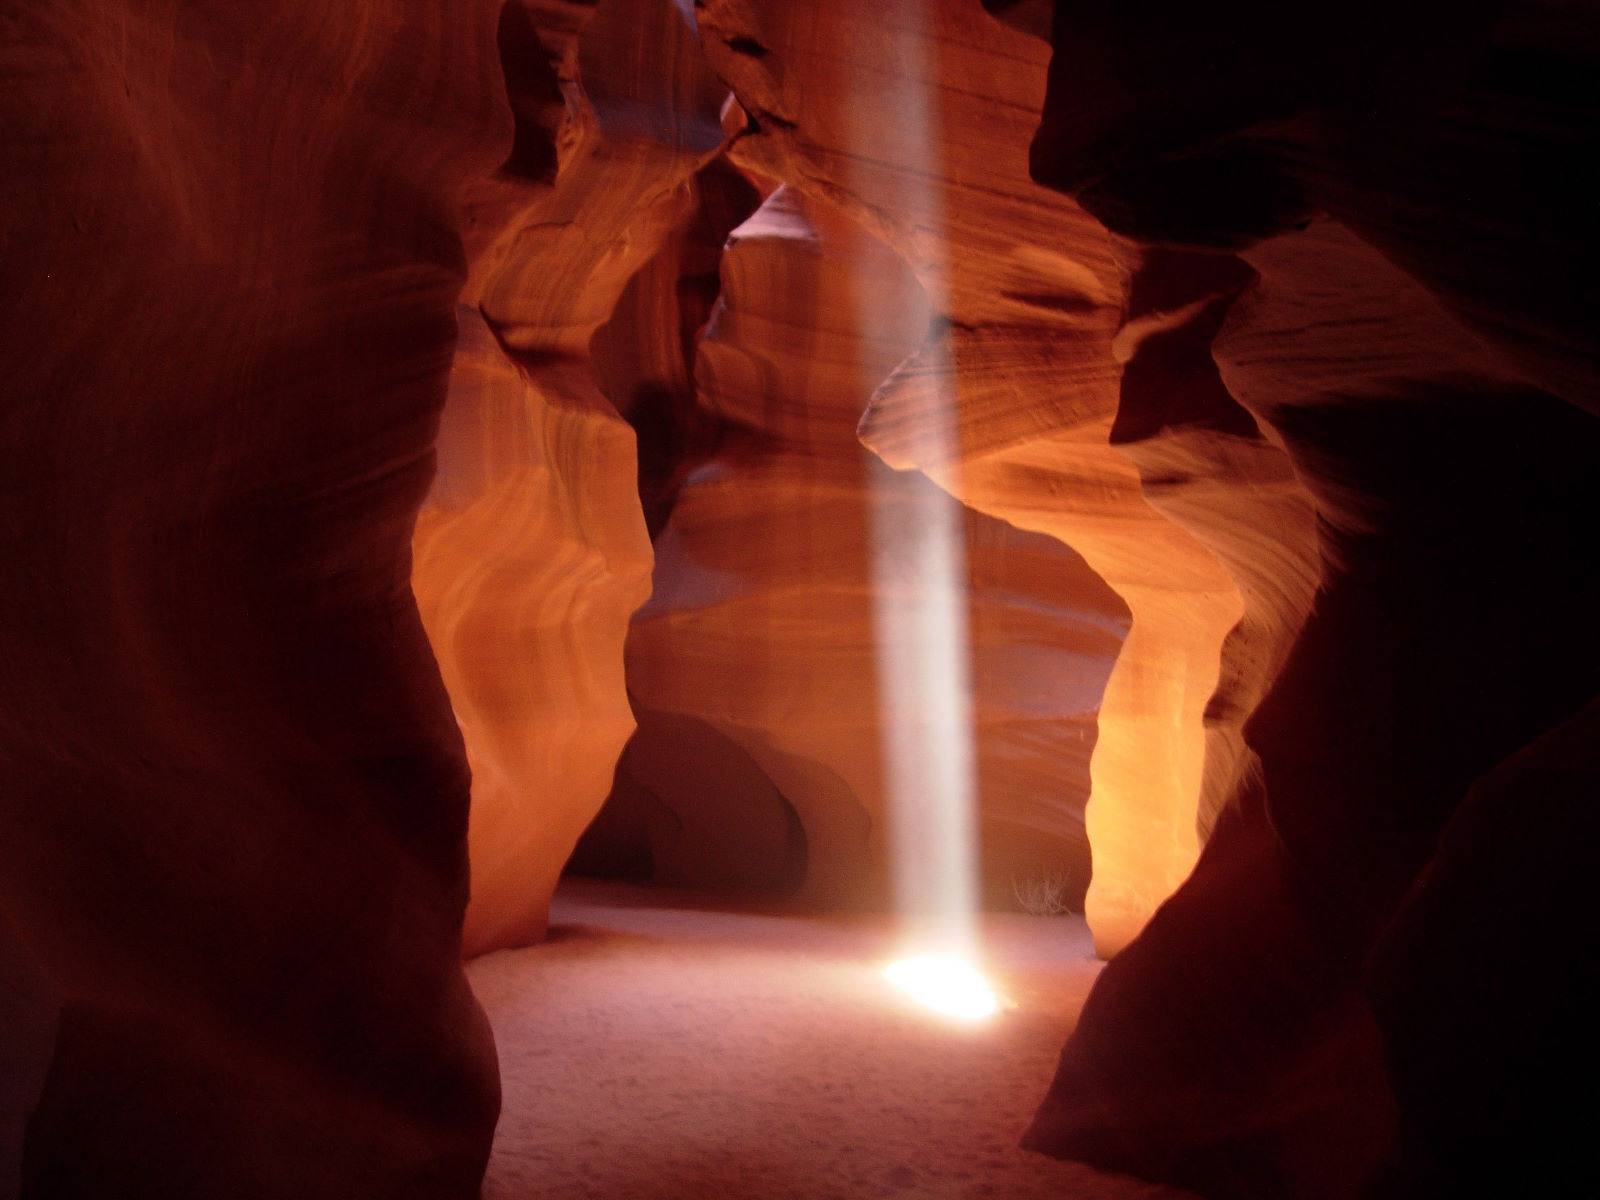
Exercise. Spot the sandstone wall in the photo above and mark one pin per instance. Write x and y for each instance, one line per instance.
(531, 551)
(912, 117)
(762, 623)
(1319, 414)
(1300, 1019)
(233, 805)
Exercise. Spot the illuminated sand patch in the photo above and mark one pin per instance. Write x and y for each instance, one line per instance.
(658, 1048)
(944, 983)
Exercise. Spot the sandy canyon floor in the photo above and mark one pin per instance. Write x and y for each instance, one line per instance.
(659, 1047)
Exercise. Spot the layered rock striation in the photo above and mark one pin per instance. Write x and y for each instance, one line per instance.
(531, 551)
(763, 631)
(1029, 295)
(1353, 1020)
(307, 309)
(233, 803)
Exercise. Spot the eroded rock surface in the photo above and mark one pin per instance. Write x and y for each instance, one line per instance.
(1412, 352)
(532, 551)
(530, 557)
(927, 153)
(1319, 412)
(762, 621)
(233, 802)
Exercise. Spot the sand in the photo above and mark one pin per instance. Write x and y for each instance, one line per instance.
(659, 1047)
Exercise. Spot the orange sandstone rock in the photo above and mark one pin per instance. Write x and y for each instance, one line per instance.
(530, 555)
(927, 153)
(761, 626)
(531, 551)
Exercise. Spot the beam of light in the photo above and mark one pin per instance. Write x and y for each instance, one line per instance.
(920, 588)
(945, 984)
(924, 693)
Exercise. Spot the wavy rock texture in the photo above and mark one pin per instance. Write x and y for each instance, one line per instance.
(530, 557)
(1342, 1031)
(912, 117)
(1320, 414)
(531, 552)
(760, 630)
(233, 804)
(1207, 464)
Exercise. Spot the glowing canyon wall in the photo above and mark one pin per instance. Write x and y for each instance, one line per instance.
(1028, 295)
(531, 550)
(1414, 326)
(761, 624)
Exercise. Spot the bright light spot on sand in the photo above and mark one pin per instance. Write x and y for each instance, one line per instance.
(945, 984)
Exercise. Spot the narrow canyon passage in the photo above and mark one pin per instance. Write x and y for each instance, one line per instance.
(660, 1046)
(448, 446)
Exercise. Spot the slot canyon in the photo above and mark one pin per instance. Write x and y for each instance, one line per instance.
(465, 473)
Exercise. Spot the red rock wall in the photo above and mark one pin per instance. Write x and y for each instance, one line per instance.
(530, 556)
(1337, 1003)
(532, 551)
(1320, 412)
(928, 154)
(233, 804)
(762, 626)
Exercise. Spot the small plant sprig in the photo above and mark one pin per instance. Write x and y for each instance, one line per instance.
(1044, 895)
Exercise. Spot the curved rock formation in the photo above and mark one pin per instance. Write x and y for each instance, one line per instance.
(531, 552)
(1320, 410)
(767, 560)
(929, 156)
(1332, 1037)
(530, 557)
(232, 801)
